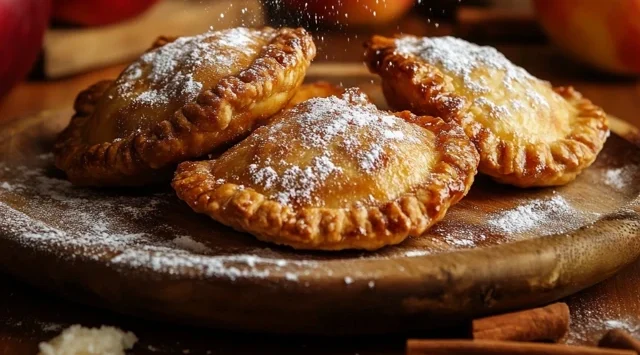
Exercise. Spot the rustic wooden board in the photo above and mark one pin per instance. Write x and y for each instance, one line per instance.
(144, 252)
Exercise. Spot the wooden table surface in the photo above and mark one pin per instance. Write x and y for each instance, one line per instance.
(28, 316)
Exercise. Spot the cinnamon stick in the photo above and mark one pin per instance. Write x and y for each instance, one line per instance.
(619, 339)
(545, 323)
(493, 347)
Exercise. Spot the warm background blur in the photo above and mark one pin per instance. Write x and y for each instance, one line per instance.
(63, 40)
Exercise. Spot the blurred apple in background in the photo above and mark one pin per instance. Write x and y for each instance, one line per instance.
(22, 26)
(98, 12)
(351, 12)
(602, 33)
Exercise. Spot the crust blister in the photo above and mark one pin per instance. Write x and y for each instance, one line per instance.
(411, 83)
(220, 115)
(349, 226)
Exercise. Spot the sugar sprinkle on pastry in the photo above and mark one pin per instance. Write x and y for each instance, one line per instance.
(462, 59)
(184, 98)
(170, 69)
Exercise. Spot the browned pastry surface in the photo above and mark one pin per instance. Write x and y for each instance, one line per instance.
(335, 173)
(527, 133)
(315, 89)
(182, 99)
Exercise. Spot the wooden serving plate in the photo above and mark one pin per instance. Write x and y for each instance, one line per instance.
(144, 252)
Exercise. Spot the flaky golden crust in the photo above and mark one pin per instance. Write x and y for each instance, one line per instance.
(220, 115)
(411, 83)
(347, 224)
(315, 89)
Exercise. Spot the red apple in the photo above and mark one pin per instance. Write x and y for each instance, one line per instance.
(98, 12)
(602, 33)
(351, 12)
(22, 26)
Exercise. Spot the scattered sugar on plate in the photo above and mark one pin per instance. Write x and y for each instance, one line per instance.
(126, 230)
(464, 241)
(592, 317)
(618, 178)
(457, 235)
(530, 215)
(416, 253)
(187, 243)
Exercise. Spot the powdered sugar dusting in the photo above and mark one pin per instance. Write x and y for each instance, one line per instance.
(170, 70)
(592, 315)
(461, 237)
(187, 243)
(462, 59)
(128, 231)
(296, 183)
(362, 130)
(618, 178)
(596, 326)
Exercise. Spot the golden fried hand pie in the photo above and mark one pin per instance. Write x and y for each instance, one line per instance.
(182, 99)
(316, 89)
(335, 173)
(527, 133)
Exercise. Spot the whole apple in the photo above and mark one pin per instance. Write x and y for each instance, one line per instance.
(22, 27)
(98, 12)
(351, 12)
(604, 34)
